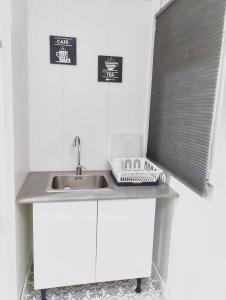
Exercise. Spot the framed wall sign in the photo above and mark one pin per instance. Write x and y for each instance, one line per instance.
(110, 68)
(62, 50)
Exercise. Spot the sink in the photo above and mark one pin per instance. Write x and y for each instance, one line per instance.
(67, 183)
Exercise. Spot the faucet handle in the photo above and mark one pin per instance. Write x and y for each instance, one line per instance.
(76, 139)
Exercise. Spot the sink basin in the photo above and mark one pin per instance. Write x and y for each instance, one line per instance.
(77, 182)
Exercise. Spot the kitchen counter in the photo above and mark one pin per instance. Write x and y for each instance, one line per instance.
(35, 185)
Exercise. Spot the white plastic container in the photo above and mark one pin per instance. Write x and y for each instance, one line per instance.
(135, 170)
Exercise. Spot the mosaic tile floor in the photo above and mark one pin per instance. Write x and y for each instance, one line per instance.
(114, 290)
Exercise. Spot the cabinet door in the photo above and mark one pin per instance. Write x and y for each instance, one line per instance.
(64, 243)
(124, 239)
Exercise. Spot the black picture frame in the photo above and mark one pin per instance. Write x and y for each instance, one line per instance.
(110, 68)
(63, 50)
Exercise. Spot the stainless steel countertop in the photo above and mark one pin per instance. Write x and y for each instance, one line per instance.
(34, 190)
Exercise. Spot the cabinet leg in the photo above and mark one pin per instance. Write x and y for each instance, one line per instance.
(138, 288)
(43, 295)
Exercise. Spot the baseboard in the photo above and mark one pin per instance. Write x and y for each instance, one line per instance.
(161, 281)
(22, 297)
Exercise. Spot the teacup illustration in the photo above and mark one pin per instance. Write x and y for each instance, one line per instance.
(63, 56)
(111, 65)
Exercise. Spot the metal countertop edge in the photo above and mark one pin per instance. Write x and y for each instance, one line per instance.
(49, 196)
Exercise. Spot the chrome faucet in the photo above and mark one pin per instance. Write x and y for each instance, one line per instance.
(79, 167)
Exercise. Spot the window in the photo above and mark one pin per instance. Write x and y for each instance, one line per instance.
(187, 51)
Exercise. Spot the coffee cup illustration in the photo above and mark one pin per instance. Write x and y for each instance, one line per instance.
(62, 55)
(111, 65)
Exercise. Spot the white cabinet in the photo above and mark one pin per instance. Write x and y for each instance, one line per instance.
(64, 243)
(91, 241)
(125, 239)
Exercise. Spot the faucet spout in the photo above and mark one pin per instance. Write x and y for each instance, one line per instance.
(77, 144)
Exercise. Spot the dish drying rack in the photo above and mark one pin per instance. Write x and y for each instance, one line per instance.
(135, 171)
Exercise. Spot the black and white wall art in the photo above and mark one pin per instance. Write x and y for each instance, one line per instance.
(63, 50)
(110, 68)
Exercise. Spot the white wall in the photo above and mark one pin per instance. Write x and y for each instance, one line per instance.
(20, 90)
(21, 144)
(66, 101)
(4, 225)
(190, 244)
(8, 278)
(196, 252)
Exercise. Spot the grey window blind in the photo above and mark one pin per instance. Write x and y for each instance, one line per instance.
(187, 52)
